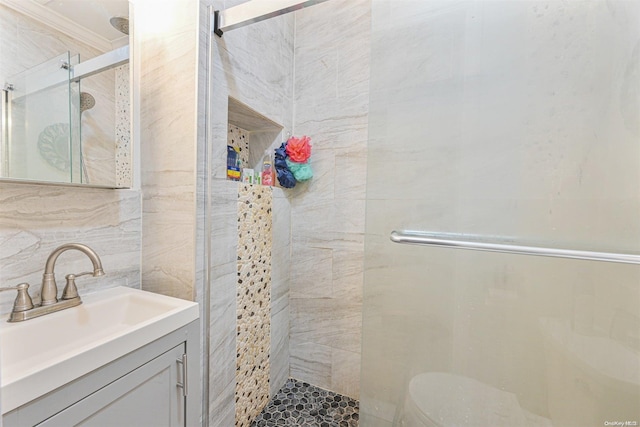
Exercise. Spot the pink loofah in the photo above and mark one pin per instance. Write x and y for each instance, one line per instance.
(299, 149)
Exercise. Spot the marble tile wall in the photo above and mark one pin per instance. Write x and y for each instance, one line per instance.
(327, 213)
(27, 43)
(168, 123)
(280, 284)
(254, 65)
(223, 319)
(35, 219)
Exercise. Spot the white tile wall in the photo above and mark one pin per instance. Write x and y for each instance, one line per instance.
(280, 285)
(327, 213)
(35, 219)
(168, 115)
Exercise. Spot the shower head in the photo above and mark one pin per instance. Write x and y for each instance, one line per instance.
(87, 101)
(120, 23)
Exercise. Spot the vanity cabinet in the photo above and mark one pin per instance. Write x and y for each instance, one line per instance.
(148, 396)
(156, 385)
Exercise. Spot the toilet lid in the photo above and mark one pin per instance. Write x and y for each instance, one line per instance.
(450, 400)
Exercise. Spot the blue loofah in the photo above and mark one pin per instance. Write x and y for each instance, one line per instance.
(281, 153)
(285, 177)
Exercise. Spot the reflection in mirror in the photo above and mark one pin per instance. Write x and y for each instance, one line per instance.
(65, 92)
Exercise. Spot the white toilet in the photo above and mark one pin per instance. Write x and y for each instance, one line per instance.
(437, 399)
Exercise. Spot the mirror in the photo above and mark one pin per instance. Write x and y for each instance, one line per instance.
(65, 107)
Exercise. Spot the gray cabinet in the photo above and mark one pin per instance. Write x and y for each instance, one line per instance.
(156, 386)
(148, 396)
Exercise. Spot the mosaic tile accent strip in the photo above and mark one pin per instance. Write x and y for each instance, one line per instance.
(239, 138)
(123, 128)
(302, 404)
(253, 301)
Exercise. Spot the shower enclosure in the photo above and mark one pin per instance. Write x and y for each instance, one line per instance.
(508, 123)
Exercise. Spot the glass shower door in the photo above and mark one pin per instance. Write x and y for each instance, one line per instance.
(516, 122)
(40, 133)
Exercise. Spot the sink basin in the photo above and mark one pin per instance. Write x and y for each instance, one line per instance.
(42, 354)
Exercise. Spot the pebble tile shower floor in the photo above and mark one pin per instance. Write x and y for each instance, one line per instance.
(301, 404)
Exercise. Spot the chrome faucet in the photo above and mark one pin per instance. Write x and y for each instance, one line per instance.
(23, 308)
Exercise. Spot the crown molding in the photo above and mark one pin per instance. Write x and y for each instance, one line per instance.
(58, 22)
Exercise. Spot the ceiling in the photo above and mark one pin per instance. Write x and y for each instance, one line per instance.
(87, 20)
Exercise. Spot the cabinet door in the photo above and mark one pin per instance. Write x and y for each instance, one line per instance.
(148, 396)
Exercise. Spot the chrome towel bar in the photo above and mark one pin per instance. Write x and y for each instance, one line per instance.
(456, 241)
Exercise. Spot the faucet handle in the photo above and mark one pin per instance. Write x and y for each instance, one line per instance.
(86, 273)
(70, 290)
(23, 301)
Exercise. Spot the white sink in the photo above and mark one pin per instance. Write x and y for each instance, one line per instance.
(42, 354)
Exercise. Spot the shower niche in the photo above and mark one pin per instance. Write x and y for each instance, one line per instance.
(251, 138)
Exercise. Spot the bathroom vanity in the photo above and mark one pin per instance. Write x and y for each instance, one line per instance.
(130, 358)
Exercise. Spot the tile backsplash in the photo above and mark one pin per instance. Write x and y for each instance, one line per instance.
(35, 219)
